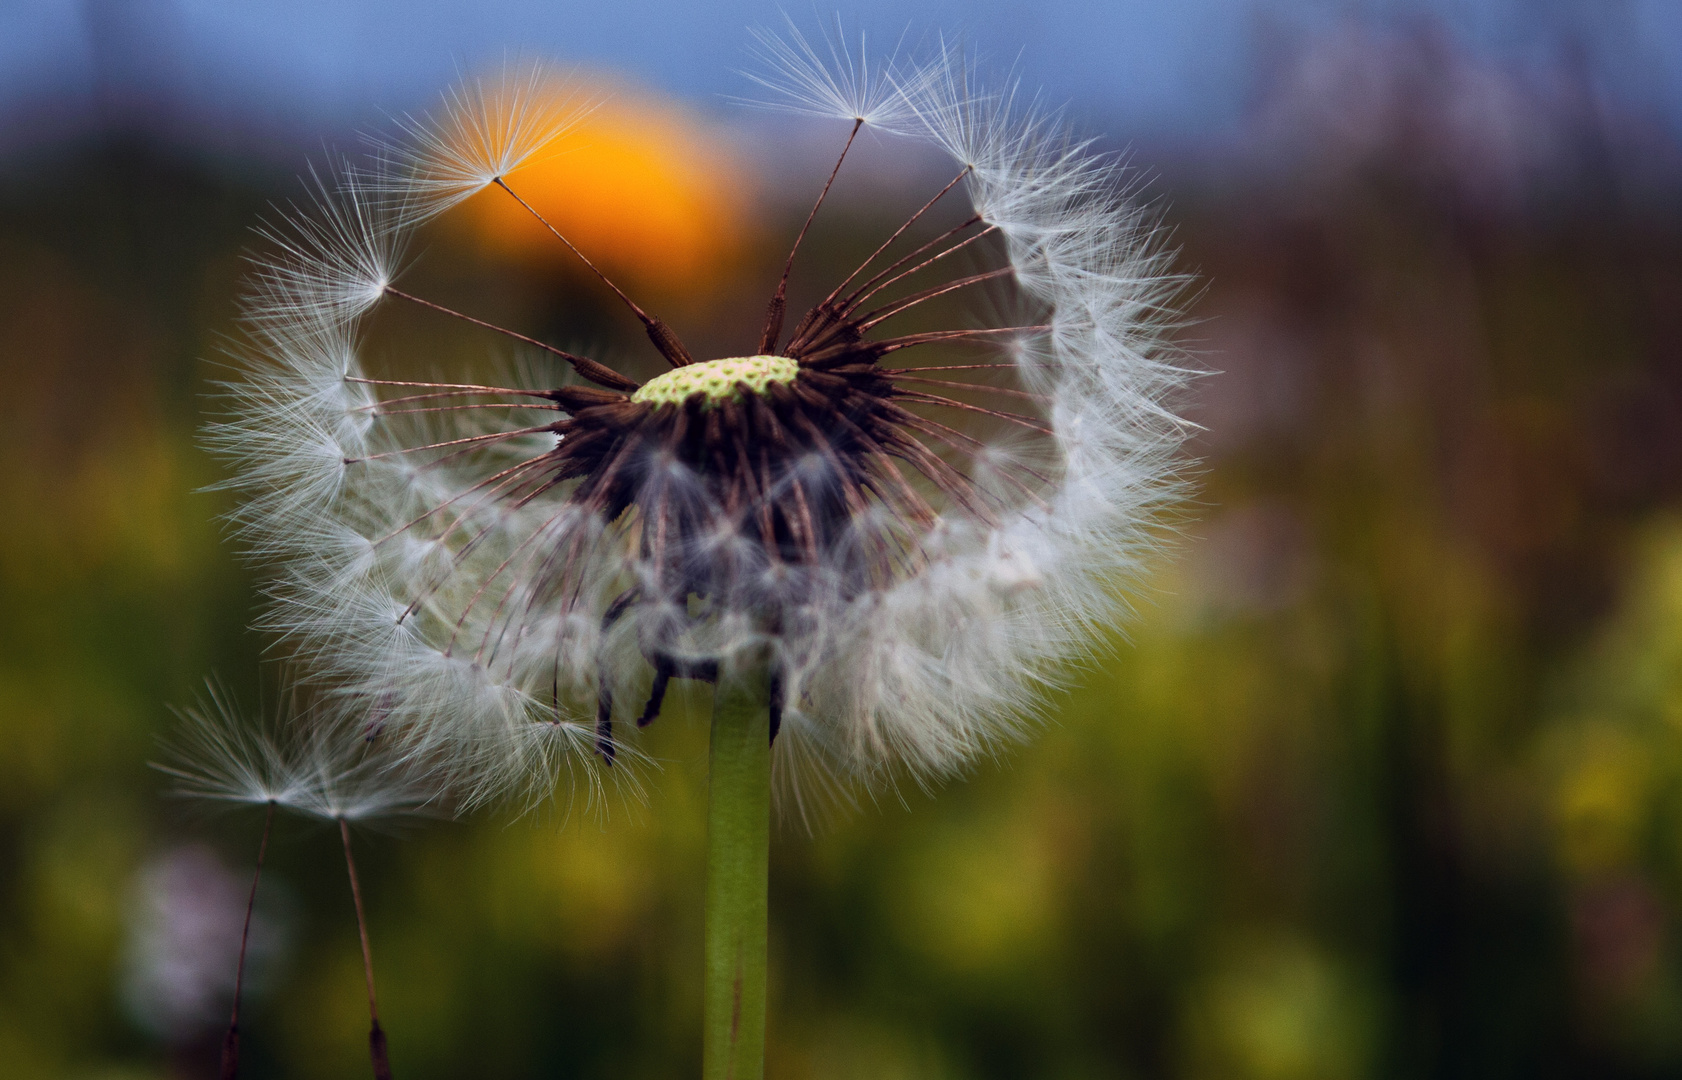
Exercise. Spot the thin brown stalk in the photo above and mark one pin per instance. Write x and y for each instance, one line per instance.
(940, 431)
(924, 265)
(888, 311)
(821, 322)
(462, 408)
(459, 557)
(887, 345)
(955, 384)
(870, 286)
(230, 1042)
(948, 403)
(658, 332)
(519, 552)
(448, 389)
(961, 442)
(890, 372)
(376, 1037)
(779, 299)
(488, 481)
(598, 373)
(952, 481)
(492, 437)
(508, 486)
(405, 399)
(912, 220)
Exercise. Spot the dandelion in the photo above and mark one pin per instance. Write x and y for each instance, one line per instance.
(311, 766)
(875, 542)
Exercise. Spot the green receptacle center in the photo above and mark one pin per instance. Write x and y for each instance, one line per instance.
(717, 380)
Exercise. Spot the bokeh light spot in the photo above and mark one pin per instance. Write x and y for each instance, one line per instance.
(643, 187)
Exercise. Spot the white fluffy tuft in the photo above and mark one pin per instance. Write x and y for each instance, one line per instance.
(485, 129)
(313, 763)
(434, 588)
(827, 79)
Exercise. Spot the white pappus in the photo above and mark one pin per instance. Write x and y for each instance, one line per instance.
(913, 528)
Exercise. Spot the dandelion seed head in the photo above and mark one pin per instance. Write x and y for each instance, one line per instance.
(915, 528)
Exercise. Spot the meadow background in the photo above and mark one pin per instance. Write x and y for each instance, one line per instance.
(1384, 779)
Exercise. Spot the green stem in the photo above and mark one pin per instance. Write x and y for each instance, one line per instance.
(738, 862)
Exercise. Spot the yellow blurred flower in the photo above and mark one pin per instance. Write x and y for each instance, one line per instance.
(1276, 1006)
(1601, 801)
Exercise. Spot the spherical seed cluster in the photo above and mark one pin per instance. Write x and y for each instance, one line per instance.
(716, 380)
(498, 574)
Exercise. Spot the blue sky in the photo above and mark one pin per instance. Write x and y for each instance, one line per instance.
(1151, 67)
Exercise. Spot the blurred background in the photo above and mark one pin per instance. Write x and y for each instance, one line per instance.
(1384, 780)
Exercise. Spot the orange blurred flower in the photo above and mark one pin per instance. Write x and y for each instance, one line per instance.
(641, 185)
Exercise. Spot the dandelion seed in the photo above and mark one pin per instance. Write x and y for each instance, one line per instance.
(827, 78)
(485, 129)
(308, 764)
